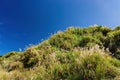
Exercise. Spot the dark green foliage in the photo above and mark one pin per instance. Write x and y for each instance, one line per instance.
(113, 43)
(89, 41)
(117, 28)
(105, 30)
(29, 58)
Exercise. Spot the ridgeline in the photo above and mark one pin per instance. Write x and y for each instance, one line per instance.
(91, 53)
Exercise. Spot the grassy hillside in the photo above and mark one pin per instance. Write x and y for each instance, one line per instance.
(91, 53)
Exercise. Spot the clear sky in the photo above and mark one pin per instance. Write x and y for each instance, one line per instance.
(24, 22)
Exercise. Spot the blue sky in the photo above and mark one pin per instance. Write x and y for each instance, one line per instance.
(24, 22)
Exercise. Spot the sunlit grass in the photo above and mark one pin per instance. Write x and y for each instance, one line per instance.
(75, 54)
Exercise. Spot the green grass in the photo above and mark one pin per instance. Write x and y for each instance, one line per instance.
(91, 53)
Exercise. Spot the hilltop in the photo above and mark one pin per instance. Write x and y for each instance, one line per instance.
(91, 53)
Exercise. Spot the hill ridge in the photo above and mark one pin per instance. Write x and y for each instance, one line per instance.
(91, 53)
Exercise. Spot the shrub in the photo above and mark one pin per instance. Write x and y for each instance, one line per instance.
(117, 28)
(63, 40)
(29, 58)
(94, 65)
(89, 41)
(113, 42)
(76, 31)
(15, 66)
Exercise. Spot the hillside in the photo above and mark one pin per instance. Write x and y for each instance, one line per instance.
(91, 53)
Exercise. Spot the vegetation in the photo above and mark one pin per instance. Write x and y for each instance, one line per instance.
(91, 53)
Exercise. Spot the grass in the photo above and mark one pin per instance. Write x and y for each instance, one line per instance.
(75, 54)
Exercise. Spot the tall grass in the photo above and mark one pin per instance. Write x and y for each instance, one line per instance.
(75, 54)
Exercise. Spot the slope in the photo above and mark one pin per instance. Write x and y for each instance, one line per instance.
(90, 53)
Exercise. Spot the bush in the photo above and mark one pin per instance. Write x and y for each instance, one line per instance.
(93, 64)
(29, 58)
(89, 41)
(63, 40)
(113, 43)
(15, 66)
(117, 28)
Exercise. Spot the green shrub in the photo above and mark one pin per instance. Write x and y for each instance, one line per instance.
(105, 30)
(76, 31)
(117, 28)
(89, 41)
(113, 43)
(93, 64)
(29, 58)
(11, 54)
(63, 40)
